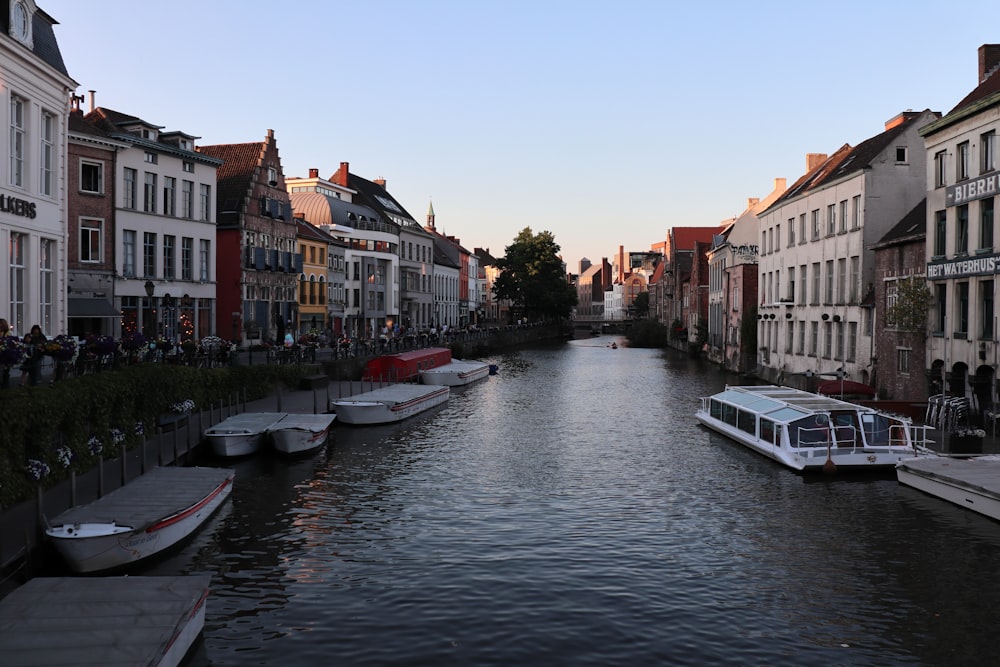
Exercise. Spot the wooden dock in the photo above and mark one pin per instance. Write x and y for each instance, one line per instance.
(972, 483)
(102, 621)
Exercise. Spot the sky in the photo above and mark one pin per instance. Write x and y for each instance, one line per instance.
(604, 123)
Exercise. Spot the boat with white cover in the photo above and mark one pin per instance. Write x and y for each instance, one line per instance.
(242, 434)
(456, 373)
(149, 514)
(809, 432)
(392, 403)
(973, 483)
(296, 434)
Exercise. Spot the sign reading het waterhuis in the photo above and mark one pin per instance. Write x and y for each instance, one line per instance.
(983, 265)
(21, 207)
(986, 185)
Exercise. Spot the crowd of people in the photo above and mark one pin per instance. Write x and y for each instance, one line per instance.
(31, 366)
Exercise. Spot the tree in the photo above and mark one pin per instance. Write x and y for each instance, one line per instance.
(641, 305)
(532, 278)
(909, 311)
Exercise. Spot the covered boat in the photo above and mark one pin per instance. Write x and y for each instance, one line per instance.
(389, 404)
(141, 519)
(405, 366)
(806, 431)
(242, 434)
(456, 373)
(296, 434)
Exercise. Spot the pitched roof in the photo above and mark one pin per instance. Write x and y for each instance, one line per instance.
(308, 231)
(685, 237)
(911, 227)
(235, 175)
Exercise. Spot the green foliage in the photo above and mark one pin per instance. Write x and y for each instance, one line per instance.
(641, 305)
(647, 333)
(116, 408)
(913, 300)
(532, 278)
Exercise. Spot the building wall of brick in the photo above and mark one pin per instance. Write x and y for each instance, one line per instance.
(892, 263)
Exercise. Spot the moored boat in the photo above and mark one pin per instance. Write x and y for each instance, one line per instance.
(456, 373)
(149, 514)
(405, 366)
(389, 404)
(972, 483)
(296, 434)
(242, 434)
(809, 432)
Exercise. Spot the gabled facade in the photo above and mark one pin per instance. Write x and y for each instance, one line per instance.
(816, 265)
(675, 306)
(90, 238)
(258, 259)
(317, 249)
(963, 189)
(36, 90)
(593, 282)
(165, 233)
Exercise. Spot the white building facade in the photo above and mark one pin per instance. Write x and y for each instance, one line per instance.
(36, 93)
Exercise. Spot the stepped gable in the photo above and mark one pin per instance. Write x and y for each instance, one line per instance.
(234, 179)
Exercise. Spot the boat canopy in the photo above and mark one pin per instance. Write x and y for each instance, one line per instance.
(783, 404)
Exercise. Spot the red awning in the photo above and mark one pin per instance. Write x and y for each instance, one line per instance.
(846, 387)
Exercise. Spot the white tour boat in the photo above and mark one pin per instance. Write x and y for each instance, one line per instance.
(809, 432)
(296, 434)
(392, 403)
(972, 483)
(149, 514)
(242, 434)
(455, 373)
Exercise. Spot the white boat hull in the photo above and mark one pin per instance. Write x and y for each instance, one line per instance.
(95, 547)
(297, 434)
(455, 374)
(382, 407)
(242, 434)
(972, 484)
(235, 444)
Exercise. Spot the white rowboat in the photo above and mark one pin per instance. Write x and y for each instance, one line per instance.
(389, 404)
(295, 434)
(456, 373)
(242, 434)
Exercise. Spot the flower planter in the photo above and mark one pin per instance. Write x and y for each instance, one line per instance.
(965, 444)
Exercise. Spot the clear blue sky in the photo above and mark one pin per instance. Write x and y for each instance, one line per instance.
(605, 123)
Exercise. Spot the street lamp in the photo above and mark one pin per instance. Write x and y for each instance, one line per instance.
(149, 287)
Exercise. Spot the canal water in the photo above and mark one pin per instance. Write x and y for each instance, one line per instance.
(570, 511)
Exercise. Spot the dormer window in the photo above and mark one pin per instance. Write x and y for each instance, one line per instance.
(185, 144)
(20, 22)
(151, 158)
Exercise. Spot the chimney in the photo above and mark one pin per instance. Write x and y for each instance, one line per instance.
(621, 263)
(752, 201)
(380, 182)
(313, 173)
(93, 99)
(814, 160)
(989, 59)
(780, 185)
(342, 173)
(900, 118)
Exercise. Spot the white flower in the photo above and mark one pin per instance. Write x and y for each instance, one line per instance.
(37, 469)
(186, 405)
(95, 445)
(117, 436)
(65, 456)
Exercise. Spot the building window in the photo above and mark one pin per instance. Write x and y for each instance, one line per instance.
(941, 298)
(46, 286)
(17, 141)
(48, 154)
(891, 294)
(829, 283)
(986, 223)
(790, 338)
(852, 341)
(940, 233)
(856, 212)
(831, 219)
(805, 284)
(900, 154)
(148, 255)
(187, 199)
(91, 177)
(802, 228)
(828, 340)
(841, 280)
(149, 193)
(151, 158)
(169, 255)
(962, 229)
(843, 216)
(204, 256)
(986, 309)
(791, 285)
(128, 252)
(855, 285)
(801, 349)
(17, 287)
(987, 151)
(187, 258)
(91, 239)
(962, 316)
(188, 167)
(815, 224)
(903, 360)
(816, 284)
(962, 164)
(791, 232)
(129, 191)
(841, 351)
(813, 338)
(939, 169)
(206, 200)
(169, 196)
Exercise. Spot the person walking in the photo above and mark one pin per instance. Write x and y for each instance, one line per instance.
(31, 369)
(5, 333)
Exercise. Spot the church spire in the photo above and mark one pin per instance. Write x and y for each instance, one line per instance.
(430, 216)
